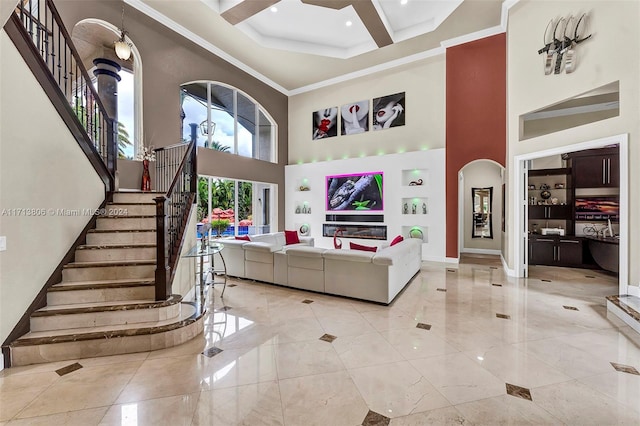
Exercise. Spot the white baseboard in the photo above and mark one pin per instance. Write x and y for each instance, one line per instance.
(452, 260)
(481, 251)
(510, 272)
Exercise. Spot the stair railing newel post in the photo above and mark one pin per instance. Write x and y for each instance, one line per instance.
(163, 270)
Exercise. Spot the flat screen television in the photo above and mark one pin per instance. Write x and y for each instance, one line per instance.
(597, 208)
(356, 191)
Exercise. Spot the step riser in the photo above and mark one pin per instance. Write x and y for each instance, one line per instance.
(97, 255)
(70, 297)
(108, 273)
(126, 223)
(130, 210)
(100, 319)
(99, 238)
(37, 354)
(134, 197)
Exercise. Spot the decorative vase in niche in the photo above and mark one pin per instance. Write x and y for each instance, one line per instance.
(424, 208)
(413, 208)
(146, 177)
(405, 209)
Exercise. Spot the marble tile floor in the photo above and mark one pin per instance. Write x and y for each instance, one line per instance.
(263, 360)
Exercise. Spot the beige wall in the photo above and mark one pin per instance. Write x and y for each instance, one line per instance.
(424, 85)
(41, 167)
(169, 60)
(6, 8)
(482, 174)
(612, 54)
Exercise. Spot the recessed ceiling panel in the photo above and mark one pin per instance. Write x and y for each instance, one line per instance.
(310, 29)
(414, 17)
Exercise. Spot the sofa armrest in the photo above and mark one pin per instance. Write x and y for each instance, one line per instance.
(228, 242)
(349, 255)
(386, 256)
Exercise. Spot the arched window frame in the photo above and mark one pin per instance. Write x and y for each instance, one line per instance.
(273, 155)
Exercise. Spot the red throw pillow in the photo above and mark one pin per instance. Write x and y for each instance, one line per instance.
(354, 246)
(291, 237)
(243, 237)
(396, 240)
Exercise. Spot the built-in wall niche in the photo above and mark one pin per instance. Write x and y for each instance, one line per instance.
(415, 177)
(303, 207)
(415, 231)
(415, 206)
(302, 184)
(303, 228)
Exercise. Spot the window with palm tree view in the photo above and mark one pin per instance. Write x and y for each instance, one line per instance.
(223, 118)
(234, 207)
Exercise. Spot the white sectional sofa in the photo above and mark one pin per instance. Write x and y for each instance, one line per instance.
(376, 277)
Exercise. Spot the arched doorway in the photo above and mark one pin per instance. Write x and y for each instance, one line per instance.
(480, 207)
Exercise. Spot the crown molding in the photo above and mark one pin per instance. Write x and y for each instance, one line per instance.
(190, 35)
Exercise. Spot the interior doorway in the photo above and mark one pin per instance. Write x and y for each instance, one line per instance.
(480, 208)
(521, 202)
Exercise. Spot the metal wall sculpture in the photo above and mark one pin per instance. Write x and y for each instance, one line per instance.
(559, 47)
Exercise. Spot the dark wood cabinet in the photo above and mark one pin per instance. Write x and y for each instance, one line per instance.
(550, 212)
(596, 170)
(542, 251)
(555, 251)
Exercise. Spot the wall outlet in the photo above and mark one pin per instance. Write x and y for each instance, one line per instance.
(3, 243)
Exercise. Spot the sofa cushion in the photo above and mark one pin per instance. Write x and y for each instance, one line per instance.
(305, 251)
(265, 238)
(291, 237)
(396, 240)
(349, 255)
(306, 258)
(354, 246)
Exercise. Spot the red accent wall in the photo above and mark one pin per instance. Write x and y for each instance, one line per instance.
(476, 97)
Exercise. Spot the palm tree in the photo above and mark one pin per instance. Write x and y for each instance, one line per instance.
(217, 146)
(123, 140)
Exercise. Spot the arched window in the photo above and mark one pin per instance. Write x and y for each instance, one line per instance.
(223, 118)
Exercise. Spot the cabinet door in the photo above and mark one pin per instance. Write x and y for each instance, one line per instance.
(542, 251)
(559, 212)
(589, 172)
(569, 252)
(537, 212)
(613, 170)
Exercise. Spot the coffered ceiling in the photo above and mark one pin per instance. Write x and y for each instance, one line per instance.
(297, 45)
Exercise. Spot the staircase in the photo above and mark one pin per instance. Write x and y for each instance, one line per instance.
(105, 303)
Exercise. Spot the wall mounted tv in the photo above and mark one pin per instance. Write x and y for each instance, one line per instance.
(597, 208)
(356, 191)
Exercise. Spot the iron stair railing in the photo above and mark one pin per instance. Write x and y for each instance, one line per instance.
(53, 45)
(173, 209)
